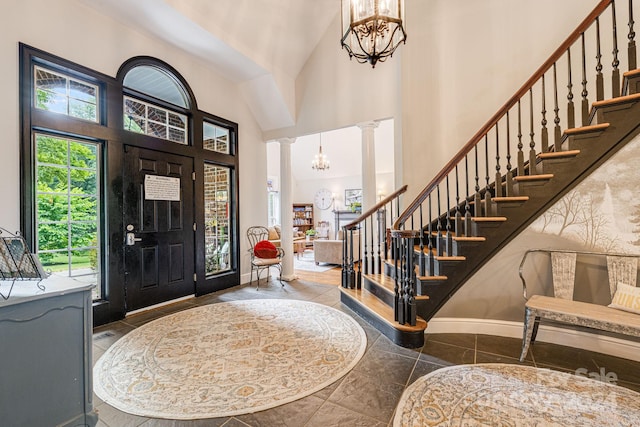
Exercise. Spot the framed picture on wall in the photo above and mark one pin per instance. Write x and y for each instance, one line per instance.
(353, 195)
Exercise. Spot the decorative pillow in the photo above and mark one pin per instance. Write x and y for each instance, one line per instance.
(265, 249)
(626, 298)
(273, 234)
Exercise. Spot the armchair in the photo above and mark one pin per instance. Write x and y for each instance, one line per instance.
(263, 259)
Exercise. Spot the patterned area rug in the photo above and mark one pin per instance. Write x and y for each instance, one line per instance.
(513, 395)
(306, 262)
(228, 359)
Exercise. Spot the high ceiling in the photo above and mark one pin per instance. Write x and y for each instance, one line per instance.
(260, 44)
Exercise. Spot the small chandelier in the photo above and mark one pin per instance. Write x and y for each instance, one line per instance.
(320, 162)
(372, 29)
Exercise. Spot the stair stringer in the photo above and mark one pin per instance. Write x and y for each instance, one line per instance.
(624, 126)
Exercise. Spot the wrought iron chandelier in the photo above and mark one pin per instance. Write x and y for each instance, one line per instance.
(372, 29)
(320, 162)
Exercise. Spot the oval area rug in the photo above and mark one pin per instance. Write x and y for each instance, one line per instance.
(228, 358)
(514, 395)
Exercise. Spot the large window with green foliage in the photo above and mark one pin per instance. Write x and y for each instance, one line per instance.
(67, 206)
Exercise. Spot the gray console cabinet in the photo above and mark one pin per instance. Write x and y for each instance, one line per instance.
(45, 358)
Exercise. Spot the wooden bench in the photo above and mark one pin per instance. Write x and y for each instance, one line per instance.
(561, 307)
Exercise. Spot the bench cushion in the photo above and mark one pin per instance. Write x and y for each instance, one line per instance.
(585, 314)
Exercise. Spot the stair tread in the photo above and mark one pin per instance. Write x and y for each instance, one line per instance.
(631, 73)
(508, 199)
(586, 129)
(559, 154)
(489, 218)
(618, 100)
(539, 177)
(429, 278)
(450, 258)
(382, 310)
(469, 239)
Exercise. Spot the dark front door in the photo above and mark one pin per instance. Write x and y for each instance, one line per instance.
(158, 219)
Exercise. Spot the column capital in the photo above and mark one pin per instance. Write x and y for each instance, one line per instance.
(287, 140)
(368, 125)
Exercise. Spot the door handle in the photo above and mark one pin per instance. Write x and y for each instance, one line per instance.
(132, 239)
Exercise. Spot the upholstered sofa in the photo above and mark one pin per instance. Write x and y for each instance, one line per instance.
(298, 238)
(330, 251)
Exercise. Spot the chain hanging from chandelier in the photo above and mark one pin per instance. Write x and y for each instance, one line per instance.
(372, 29)
(320, 161)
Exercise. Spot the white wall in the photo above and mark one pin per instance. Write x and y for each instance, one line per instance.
(75, 32)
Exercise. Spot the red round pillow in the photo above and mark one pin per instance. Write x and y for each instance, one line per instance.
(265, 249)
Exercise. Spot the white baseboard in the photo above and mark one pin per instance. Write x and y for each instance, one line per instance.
(546, 333)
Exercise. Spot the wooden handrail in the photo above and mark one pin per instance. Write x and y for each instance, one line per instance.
(466, 149)
(376, 207)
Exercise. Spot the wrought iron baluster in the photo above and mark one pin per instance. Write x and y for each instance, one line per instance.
(599, 78)
(544, 133)
(532, 134)
(429, 264)
(498, 182)
(440, 226)
(520, 144)
(448, 213)
(509, 174)
(365, 258)
(477, 201)
(467, 205)
(557, 134)
(380, 228)
(571, 109)
(487, 189)
(585, 92)
(421, 256)
(458, 219)
(615, 73)
(631, 45)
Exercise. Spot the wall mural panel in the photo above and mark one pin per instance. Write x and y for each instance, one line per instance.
(603, 212)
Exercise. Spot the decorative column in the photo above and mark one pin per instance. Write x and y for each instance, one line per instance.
(286, 206)
(368, 164)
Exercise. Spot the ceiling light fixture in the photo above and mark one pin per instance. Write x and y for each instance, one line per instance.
(320, 162)
(372, 29)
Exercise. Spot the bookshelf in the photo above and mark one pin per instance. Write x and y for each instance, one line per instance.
(303, 216)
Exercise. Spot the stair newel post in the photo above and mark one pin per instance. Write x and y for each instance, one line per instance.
(508, 188)
(487, 188)
(520, 144)
(345, 261)
(631, 45)
(477, 198)
(448, 238)
(544, 133)
(599, 77)
(458, 218)
(439, 246)
(398, 306)
(532, 134)
(467, 205)
(428, 269)
(498, 181)
(615, 73)
(585, 92)
(365, 259)
(557, 133)
(405, 297)
(571, 110)
(358, 273)
(353, 279)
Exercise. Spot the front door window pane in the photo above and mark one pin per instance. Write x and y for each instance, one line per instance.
(216, 202)
(67, 208)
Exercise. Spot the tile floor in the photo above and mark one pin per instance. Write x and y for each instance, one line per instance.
(368, 395)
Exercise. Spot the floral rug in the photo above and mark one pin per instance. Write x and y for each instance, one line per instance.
(514, 395)
(228, 358)
(306, 262)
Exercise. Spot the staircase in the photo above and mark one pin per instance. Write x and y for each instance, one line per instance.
(456, 225)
